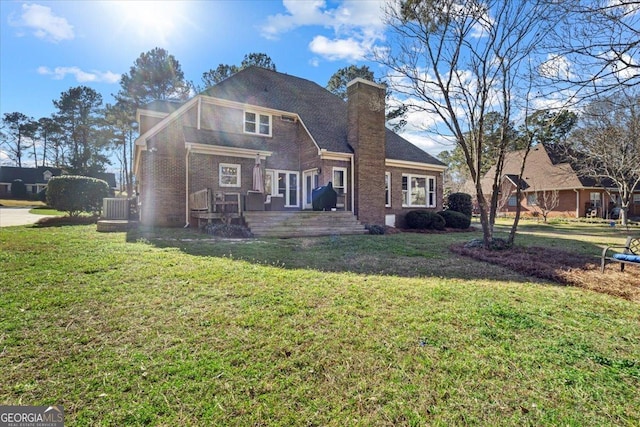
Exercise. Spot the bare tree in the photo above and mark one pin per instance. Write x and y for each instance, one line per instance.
(606, 145)
(546, 201)
(457, 61)
(596, 45)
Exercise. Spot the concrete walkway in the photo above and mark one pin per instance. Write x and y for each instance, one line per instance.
(17, 216)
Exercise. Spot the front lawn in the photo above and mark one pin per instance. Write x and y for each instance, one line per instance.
(170, 327)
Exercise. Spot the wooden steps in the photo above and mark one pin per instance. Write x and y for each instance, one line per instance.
(302, 223)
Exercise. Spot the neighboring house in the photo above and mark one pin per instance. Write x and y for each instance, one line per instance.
(36, 179)
(550, 181)
(302, 134)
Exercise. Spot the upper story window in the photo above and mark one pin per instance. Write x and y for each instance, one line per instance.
(47, 175)
(257, 123)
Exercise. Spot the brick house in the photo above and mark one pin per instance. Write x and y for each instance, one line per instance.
(304, 137)
(548, 174)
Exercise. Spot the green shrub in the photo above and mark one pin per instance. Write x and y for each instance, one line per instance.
(76, 194)
(460, 202)
(424, 220)
(455, 219)
(18, 189)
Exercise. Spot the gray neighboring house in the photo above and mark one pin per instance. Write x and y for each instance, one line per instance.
(36, 179)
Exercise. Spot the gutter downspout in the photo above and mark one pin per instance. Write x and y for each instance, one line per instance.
(186, 202)
(577, 202)
(353, 187)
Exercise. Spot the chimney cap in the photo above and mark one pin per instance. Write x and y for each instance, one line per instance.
(367, 82)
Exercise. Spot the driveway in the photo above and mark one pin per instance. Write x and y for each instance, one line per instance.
(17, 216)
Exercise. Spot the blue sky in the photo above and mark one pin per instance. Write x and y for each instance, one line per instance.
(48, 47)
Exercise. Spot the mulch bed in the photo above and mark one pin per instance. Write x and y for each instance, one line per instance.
(562, 267)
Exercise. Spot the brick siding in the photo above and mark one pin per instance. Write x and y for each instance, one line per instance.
(366, 134)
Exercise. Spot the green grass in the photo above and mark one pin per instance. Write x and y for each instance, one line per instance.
(169, 327)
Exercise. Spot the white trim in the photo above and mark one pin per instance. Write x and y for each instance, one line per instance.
(257, 123)
(413, 165)
(244, 106)
(275, 189)
(218, 150)
(142, 139)
(199, 114)
(406, 198)
(151, 113)
(387, 190)
(186, 199)
(238, 174)
(345, 186)
(333, 155)
(305, 174)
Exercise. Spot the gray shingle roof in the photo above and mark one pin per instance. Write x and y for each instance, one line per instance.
(323, 113)
(36, 175)
(27, 175)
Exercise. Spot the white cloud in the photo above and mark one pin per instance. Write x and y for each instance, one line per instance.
(356, 25)
(44, 24)
(337, 49)
(432, 143)
(81, 76)
(557, 67)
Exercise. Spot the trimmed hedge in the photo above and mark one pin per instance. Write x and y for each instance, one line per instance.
(455, 219)
(76, 194)
(424, 220)
(460, 202)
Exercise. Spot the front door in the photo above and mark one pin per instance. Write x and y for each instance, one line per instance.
(310, 180)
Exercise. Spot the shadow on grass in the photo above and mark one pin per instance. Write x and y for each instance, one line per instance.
(403, 254)
(60, 221)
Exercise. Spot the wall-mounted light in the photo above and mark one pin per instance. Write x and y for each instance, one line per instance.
(153, 149)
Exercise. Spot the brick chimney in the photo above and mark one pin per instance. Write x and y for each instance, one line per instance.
(366, 135)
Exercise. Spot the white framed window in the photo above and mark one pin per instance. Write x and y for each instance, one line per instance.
(257, 123)
(636, 199)
(596, 199)
(340, 180)
(387, 189)
(532, 199)
(229, 175)
(513, 201)
(284, 183)
(418, 190)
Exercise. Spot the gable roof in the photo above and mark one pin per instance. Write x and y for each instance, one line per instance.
(547, 168)
(516, 181)
(323, 113)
